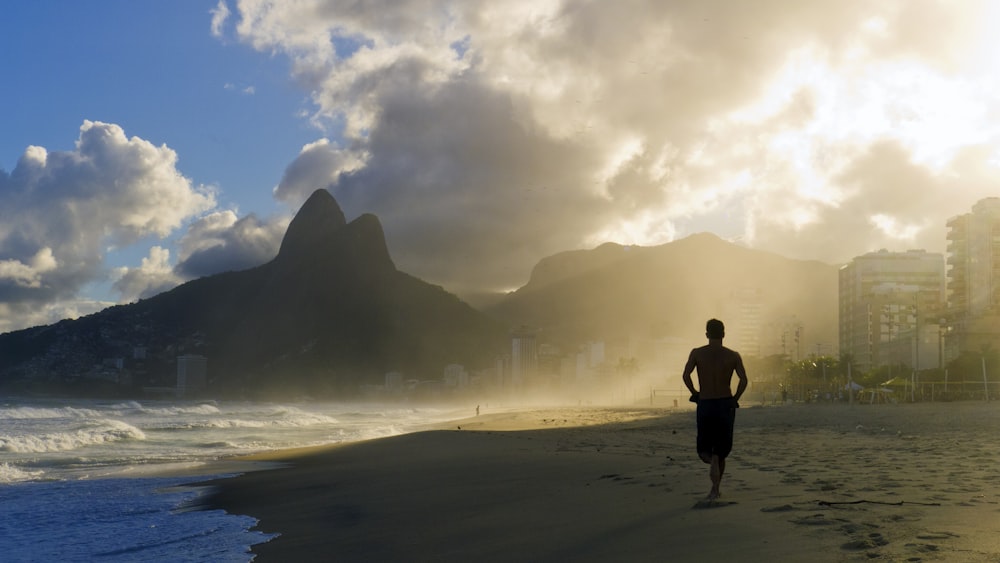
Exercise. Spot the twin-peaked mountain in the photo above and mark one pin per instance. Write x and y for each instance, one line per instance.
(331, 311)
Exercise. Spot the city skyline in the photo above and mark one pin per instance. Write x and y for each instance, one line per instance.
(157, 143)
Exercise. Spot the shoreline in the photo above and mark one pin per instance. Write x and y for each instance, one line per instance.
(822, 482)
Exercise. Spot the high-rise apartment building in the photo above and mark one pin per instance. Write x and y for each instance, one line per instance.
(884, 299)
(744, 320)
(191, 373)
(974, 277)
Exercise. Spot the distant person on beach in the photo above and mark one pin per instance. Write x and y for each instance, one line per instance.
(717, 404)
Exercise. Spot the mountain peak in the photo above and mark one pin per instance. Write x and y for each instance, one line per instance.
(319, 218)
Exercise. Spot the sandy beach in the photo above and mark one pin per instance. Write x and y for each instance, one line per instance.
(804, 483)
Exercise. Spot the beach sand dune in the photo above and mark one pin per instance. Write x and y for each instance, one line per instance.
(804, 483)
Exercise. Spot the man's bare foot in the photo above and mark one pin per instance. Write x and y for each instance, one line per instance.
(714, 494)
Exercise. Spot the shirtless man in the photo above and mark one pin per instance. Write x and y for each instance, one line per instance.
(716, 402)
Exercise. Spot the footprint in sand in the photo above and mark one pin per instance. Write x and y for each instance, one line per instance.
(712, 503)
(923, 547)
(782, 508)
(616, 477)
(815, 520)
(873, 540)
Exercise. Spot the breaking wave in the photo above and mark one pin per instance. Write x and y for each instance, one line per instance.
(37, 413)
(99, 431)
(11, 474)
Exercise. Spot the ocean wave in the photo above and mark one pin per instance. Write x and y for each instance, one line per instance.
(297, 421)
(11, 474)
(293, 416)
(99, 431)
(204, 408)
(171, 410)
(37, 413)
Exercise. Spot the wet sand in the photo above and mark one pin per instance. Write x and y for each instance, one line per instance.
(804, 483)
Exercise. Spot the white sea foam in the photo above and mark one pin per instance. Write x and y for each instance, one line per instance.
(11, 474)
(97, 431)
(135, 407)
(36, 413)
(203, 408)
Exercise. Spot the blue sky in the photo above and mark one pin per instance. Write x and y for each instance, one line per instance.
(154, 69)
(145, 144)
(232, 115)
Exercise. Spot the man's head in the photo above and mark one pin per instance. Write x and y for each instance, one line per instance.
(715, 330)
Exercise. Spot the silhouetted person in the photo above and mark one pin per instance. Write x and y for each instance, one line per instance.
(717, 405)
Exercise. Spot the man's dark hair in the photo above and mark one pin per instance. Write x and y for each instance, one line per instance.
(715, 329)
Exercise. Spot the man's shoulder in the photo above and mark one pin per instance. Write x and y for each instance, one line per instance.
(715, 351)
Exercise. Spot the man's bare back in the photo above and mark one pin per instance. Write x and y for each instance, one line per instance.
(716, 365)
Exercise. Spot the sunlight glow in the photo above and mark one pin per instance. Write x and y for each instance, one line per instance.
(619, 157)
(647, 228)
(893, 228)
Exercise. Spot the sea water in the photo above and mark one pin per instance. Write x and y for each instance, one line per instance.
(78, 478)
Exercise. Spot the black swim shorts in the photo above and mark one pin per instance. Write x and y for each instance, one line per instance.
(715, 426)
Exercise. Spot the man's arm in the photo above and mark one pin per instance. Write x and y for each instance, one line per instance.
(741, 373)
(688, 368)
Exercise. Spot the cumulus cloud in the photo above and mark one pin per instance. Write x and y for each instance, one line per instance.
(221, 242)
(214, 243)
(319, 165)
(153, 276)
(488, 135)
(28, 275)
(59, 212)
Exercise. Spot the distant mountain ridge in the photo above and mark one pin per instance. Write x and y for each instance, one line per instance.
(329, 312)
(670, 290)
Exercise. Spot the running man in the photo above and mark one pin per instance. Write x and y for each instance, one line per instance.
(716, 402)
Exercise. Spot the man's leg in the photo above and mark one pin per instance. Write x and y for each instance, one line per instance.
(715, 473)
(721, 449)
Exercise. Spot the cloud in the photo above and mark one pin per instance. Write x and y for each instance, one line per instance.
(220, 242)
(489, 135)
(245, 90)
(319, 164)
(16, 315)
(888, 201)
(220, 14)
(214, 243)
(28, 275)
(60, 210)
(153, 276)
